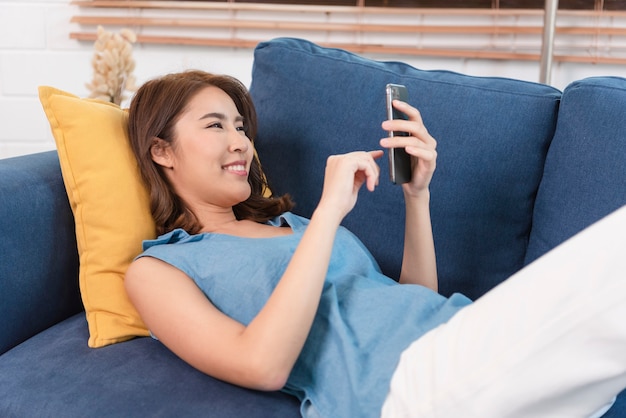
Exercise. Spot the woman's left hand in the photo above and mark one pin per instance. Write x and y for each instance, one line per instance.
(419, 144)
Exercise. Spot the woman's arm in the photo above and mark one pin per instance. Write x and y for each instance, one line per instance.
(418, 261)
(262, 354)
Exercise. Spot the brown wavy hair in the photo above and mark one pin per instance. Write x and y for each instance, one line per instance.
(153, 113)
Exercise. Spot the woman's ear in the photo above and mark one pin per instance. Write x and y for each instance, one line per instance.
(161, 152)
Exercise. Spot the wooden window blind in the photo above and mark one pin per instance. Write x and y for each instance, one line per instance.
(467, 4)
(587, 30)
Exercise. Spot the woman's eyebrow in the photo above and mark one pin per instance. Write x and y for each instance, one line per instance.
(213, 115)
(219, 116)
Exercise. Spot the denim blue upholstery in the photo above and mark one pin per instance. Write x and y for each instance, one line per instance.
(585, 172)
(493, 136)
(492, 133)
(37, 288)
(55, 374)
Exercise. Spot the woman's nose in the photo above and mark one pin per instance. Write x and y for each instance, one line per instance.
(239, 142)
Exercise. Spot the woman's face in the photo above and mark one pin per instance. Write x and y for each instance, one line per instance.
(211, 156)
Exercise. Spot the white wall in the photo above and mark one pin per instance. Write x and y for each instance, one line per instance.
(35, 49)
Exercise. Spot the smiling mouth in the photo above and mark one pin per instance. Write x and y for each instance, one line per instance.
(235, 167)
(238, 169)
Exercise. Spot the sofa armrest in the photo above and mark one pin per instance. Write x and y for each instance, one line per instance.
(38, 255)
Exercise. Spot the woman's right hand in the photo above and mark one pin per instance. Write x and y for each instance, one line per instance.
(344, 176)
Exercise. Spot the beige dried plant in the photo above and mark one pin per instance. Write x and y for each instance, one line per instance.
(113, 65)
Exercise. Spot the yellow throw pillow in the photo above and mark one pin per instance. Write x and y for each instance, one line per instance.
(110, 206)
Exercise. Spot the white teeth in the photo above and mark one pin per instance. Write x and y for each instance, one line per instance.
(235, 168)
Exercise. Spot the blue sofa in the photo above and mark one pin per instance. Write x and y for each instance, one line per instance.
(522, 167)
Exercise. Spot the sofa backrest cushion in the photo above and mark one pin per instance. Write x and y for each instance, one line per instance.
(585, 173)
(492, 133)
(38, 255)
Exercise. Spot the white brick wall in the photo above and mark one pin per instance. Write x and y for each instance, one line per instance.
(35, 49)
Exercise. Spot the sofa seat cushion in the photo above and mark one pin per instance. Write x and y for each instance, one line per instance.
(56, 374)
(493, 135)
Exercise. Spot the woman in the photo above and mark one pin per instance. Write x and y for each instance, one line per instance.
(249, 293)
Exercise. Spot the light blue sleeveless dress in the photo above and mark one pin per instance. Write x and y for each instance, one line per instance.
(364, 321)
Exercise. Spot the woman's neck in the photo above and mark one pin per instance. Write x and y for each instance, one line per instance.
(217, 220)
(243, 228)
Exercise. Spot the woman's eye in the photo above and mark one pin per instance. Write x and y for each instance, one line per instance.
(217, 125)
(241, 128)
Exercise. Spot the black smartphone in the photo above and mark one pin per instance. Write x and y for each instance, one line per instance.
(399, 160)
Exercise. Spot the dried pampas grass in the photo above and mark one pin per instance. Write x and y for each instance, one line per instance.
(113, 65)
